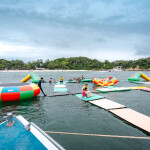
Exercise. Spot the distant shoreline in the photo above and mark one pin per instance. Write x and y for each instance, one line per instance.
(46, 70)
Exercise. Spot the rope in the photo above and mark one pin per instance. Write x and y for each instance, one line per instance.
(101, 135)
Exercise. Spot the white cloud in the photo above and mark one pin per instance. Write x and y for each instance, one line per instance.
(52, 29)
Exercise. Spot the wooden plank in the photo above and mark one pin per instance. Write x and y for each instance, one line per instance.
(107, 104)
(133, 117)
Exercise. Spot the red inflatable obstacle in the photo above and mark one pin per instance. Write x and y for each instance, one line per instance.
(18, 91)
(105, 82)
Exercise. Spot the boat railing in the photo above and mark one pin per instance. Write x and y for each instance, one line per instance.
(47, 136)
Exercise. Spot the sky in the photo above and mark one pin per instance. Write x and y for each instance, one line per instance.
(98, 29)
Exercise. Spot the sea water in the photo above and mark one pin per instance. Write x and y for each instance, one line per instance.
(71, 114)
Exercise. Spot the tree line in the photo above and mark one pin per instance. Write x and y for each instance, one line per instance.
(74, 63)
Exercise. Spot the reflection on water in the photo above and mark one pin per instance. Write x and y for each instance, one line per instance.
(19, 107)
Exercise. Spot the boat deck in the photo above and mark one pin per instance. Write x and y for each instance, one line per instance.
(16, 137)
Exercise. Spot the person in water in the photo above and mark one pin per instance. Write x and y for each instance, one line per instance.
(70, 79)
(54, 81)
(82, 77)
(61, 79)
(78, 79)
(50, 80)
(39, 84)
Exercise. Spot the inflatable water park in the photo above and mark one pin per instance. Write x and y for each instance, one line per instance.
(19, 127)
(24, 90)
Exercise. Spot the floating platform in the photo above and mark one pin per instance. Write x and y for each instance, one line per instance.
(60, 89)
(146, 89)
(137, 82)
(107, 104)
(145, 82)
(94, 97)
(137, 88)
(61, 93)
(60, 86)
(25, 135)
(73, 81)
(137, 119)
(64, 82)
(86, 80)
(115, 89)
(105, 90)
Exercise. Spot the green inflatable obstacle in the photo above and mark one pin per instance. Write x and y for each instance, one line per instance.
(35, 78)
(86, 80)
(135, 77)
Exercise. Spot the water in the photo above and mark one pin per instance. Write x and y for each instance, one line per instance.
(71, 114)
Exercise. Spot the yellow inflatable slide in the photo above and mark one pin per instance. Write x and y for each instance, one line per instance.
(136, 77)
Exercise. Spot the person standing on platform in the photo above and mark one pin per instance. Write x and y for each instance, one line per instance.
(61, 79)
(39, 84)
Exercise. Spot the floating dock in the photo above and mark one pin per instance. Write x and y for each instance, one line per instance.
(115, 89)
(60, 90)
(137, 119)
(145, 82)
(119, 89)
(94, 97)
(146, 89)
(107, 104)
(60, 86)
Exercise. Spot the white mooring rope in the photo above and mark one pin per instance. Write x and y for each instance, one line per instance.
(101, 135)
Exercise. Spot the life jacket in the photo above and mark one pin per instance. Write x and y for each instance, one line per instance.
(61, 79)
(83, 93)
(85, 87)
